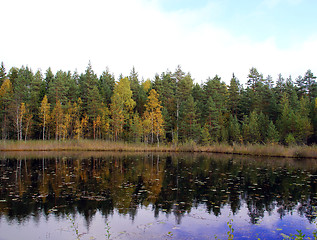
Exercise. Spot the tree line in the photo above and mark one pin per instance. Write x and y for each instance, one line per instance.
(168, 108)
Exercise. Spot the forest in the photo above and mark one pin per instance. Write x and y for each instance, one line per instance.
(170, 108)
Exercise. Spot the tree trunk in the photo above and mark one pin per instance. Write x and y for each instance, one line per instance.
(94, 127)
(4, 127)
(17, 123)
(177, 115)
(56, 130)
(158, 139)
(27, 128)
(21, 125)
(44, 127)
(152, 125)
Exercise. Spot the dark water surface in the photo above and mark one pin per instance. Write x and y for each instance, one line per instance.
(154, 196)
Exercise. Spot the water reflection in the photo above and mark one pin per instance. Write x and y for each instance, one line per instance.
(68, 184)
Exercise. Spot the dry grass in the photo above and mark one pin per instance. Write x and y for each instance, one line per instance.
(79, 145)
(99, 145)
(273, 150)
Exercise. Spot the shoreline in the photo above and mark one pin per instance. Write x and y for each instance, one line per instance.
(274, 150)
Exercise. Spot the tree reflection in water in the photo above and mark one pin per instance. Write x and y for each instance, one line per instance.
(168, 183)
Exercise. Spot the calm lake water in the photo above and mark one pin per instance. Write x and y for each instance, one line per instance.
(154, 196)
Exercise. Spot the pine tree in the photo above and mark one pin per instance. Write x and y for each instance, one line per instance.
(279, 88)
(310, 85)
(300, 86)
(254, 78)
(257, 93)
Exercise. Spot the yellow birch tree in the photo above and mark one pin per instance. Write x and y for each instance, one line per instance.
(58, 120)
(44, 114)
(153, 114)
(121, 106)
(76, 118)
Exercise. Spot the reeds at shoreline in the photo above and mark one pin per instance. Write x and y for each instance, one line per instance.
(100, 145)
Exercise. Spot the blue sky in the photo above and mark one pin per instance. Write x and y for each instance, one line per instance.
(205, 37)
(290, 22)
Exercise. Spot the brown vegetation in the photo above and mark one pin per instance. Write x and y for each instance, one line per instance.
(99, 145)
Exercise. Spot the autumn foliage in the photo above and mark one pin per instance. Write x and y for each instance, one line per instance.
(170, 108)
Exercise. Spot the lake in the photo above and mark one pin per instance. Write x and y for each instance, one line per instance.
(95, 195)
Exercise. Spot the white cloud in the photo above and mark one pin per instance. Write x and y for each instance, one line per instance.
(274, 3)
(124, 33)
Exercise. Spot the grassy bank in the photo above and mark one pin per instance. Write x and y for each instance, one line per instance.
(98, 145)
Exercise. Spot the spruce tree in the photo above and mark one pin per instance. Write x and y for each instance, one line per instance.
(234, 95)
(272, 135)
(106, 86)
(212, 119)
(2, 73)
(189, 127)
(234, 130)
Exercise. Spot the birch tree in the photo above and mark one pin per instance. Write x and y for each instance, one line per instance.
(154, 114)
(122, 106)
(44, 114)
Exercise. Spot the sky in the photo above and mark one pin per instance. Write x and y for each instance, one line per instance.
(204, 37)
